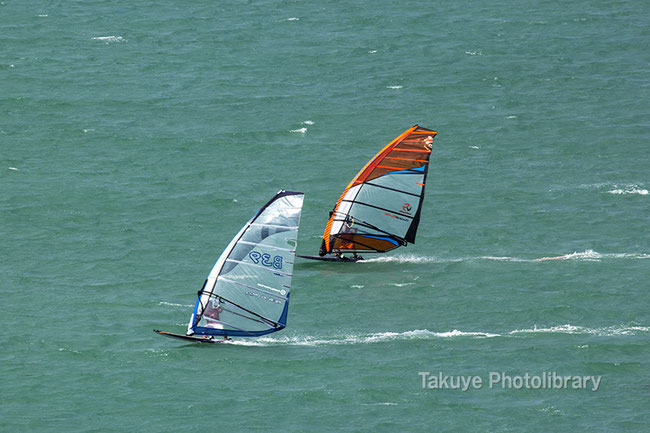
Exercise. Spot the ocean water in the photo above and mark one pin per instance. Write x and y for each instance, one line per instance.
(136, 138)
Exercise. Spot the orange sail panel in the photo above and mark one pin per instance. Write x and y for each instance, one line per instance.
(379, 210)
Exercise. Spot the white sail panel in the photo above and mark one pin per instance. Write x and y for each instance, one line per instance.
(388, 208)
(247, 292)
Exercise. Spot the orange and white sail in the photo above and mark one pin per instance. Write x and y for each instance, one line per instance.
(380, 208)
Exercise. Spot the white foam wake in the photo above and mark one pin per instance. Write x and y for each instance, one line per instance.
(172, 304)
(503, 259)
(591, 255)
(109, 39)
(378, 337)
(610, 188)
(410, 258)
(629, 190)
(606, 331)
(425, 334)
(587, 255)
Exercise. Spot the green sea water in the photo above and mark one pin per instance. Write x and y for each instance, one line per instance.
(136, 138)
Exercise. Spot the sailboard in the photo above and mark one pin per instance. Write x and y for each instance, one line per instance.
(246, 294)
(380, 208)
(329, 258)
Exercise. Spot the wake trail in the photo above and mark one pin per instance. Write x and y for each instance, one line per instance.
(425, 334)
(587, 255)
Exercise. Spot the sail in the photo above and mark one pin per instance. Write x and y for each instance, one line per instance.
(380, 208)
(247, 291)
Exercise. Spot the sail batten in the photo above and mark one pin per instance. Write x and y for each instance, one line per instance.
(266, 269)
(272, 226)
(378, 207)
(393, 189)
(290, 250)
(247, 290)
(282, 298)
(386, 194)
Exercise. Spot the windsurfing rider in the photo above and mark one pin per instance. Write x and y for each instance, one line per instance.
(349, 245)
(211, 313)
(350, 232)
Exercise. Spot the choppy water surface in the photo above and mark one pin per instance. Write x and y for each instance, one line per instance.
(136, 139)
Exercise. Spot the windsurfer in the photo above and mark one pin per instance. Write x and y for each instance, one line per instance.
(350, 232)
(369, 202)
(211, 314)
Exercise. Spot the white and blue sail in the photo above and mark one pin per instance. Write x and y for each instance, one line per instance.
(247, 292)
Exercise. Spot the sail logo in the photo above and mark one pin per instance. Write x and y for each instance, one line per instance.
(266, 298)
(407, 208)
(282, 292)
(395, 216)
(265, 260)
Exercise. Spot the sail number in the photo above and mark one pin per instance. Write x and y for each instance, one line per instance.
(274, 262)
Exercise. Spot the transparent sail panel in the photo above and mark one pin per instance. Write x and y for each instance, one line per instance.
(406, 183)
(249, 294)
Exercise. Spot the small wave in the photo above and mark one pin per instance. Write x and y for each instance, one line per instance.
(109, 39)
(572, 329)
(171, 304)
(300, 131)
(308, 122)
(629, 190)
(400, 284)
(158, 353)
(293, 19)
(551, 410)
(627, 256)
(394, 87)
(617, 189)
